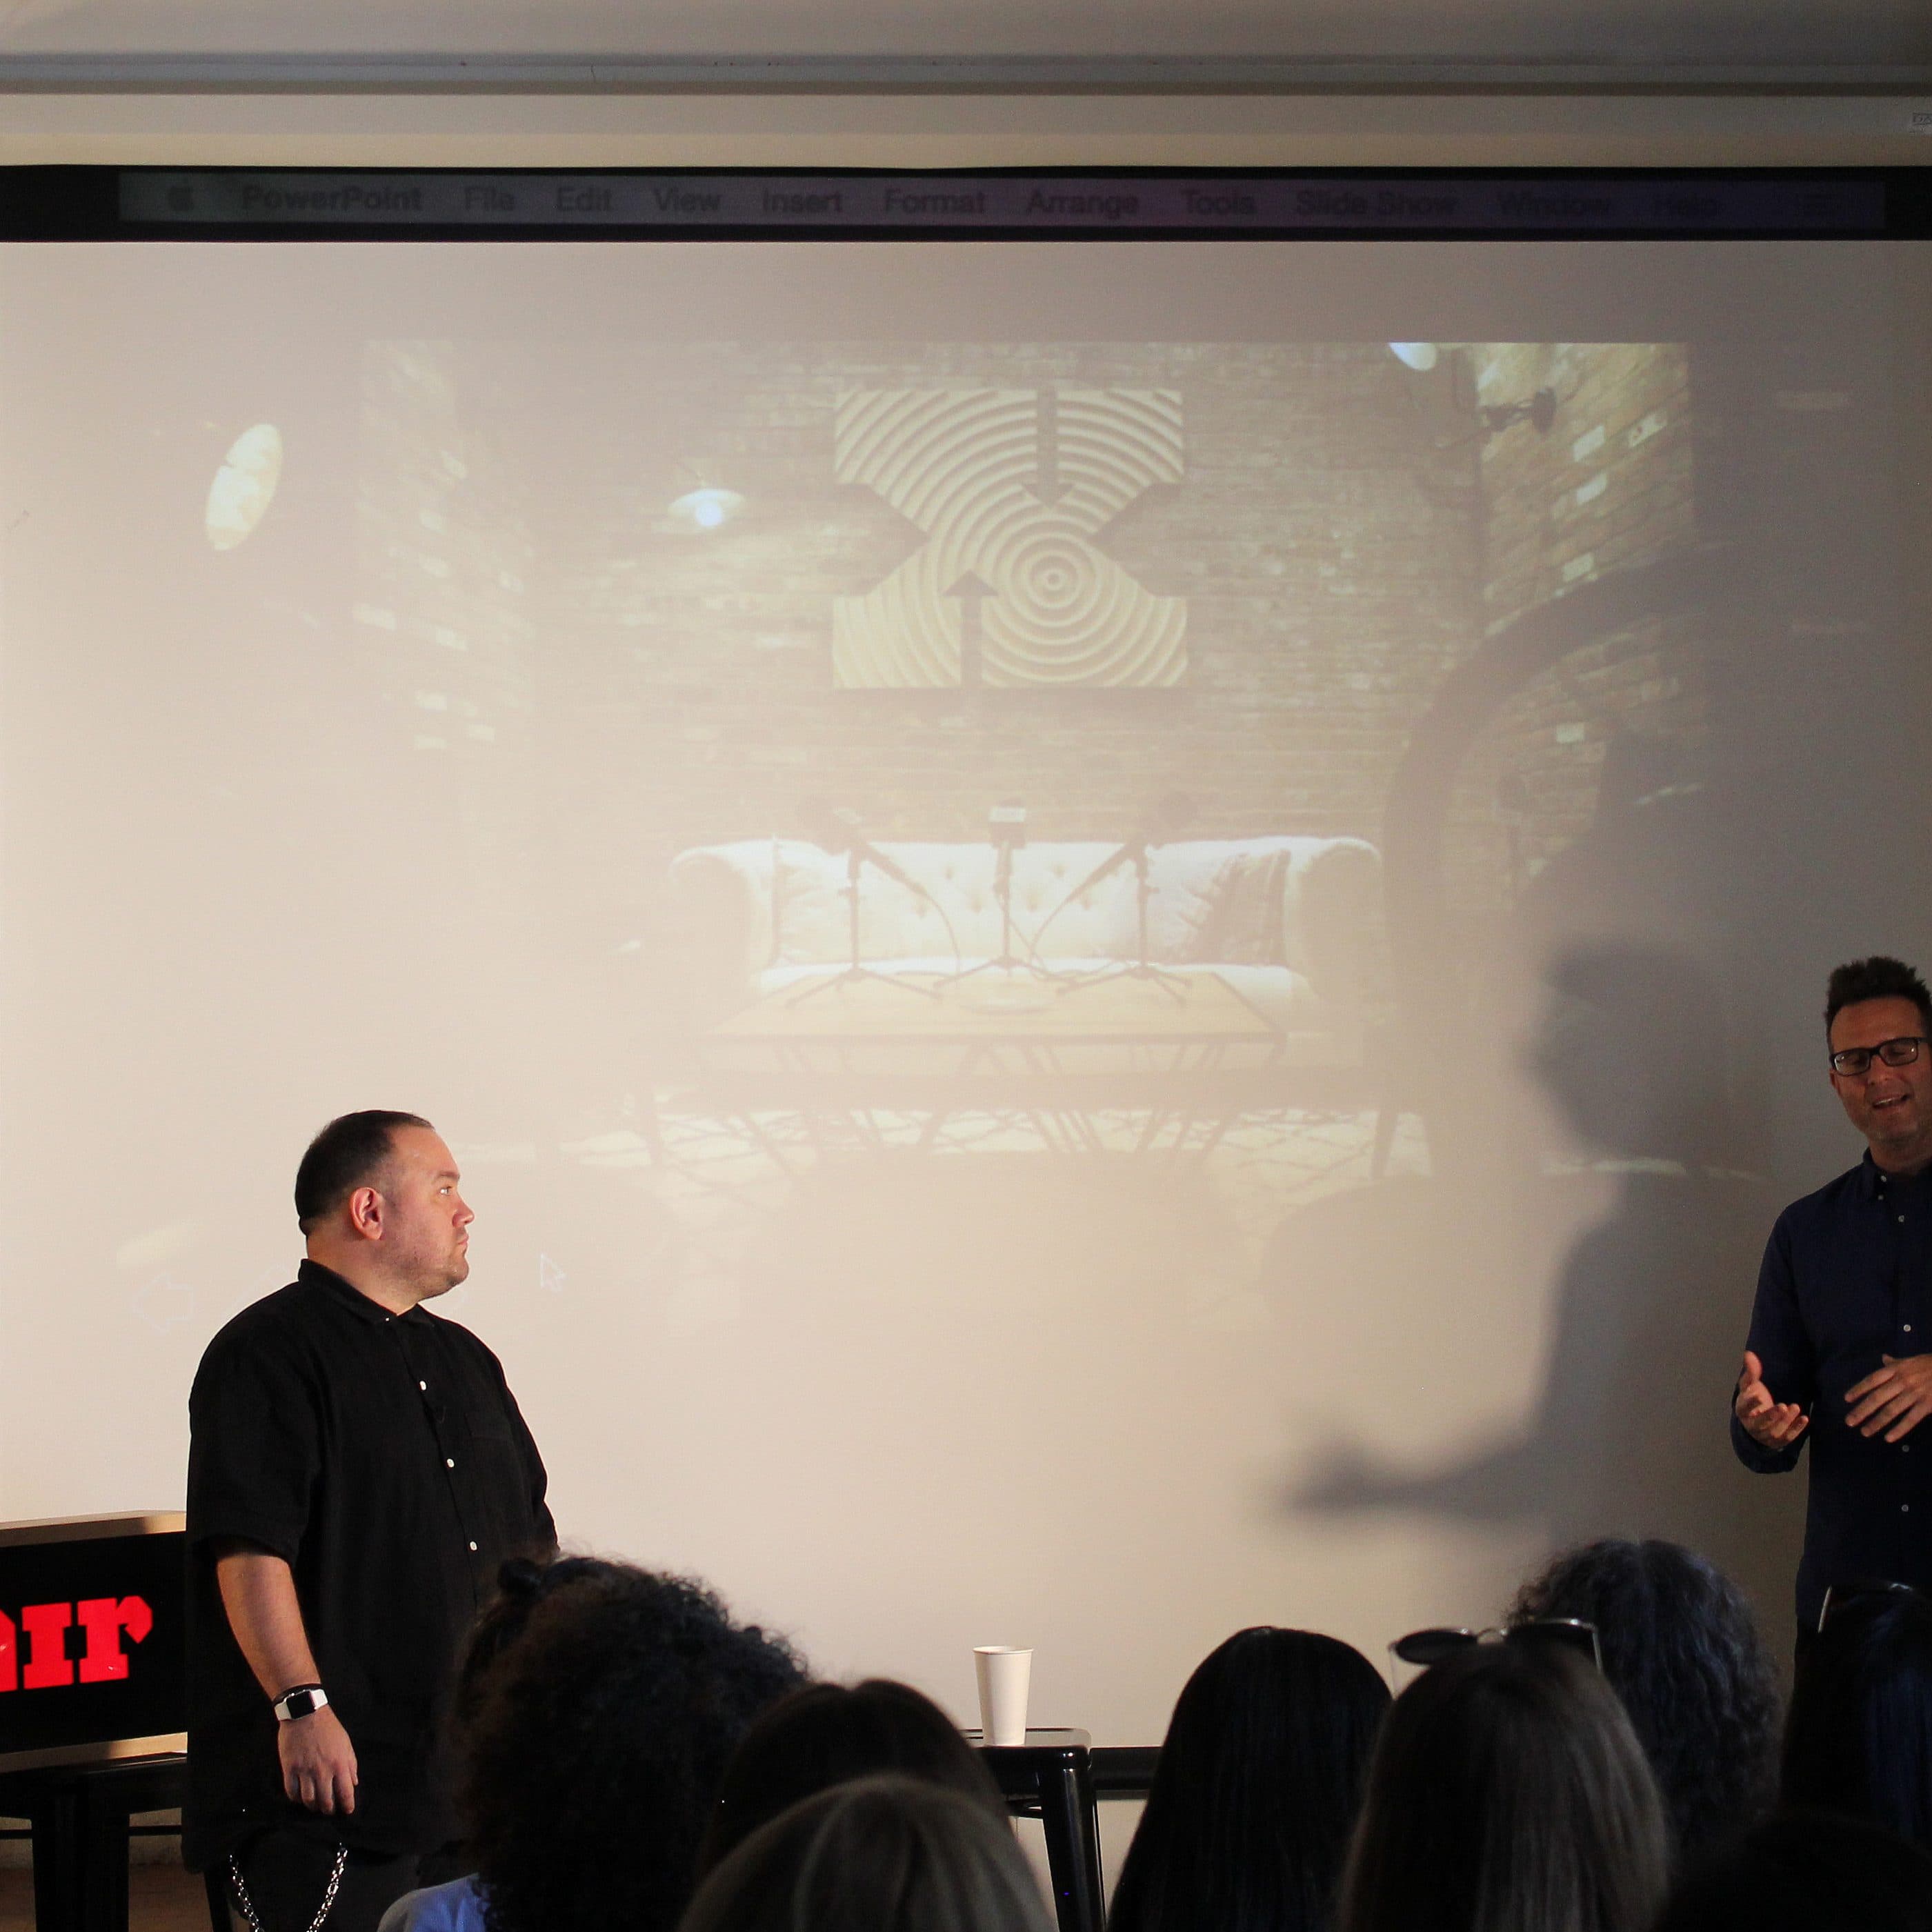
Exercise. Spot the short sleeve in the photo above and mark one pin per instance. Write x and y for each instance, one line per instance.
(254, 1445)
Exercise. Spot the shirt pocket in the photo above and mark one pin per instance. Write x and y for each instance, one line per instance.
(496, 1459)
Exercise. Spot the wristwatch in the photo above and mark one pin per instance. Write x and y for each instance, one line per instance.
(303, 1701)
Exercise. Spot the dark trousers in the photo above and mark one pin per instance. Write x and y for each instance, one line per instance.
(286, 1875)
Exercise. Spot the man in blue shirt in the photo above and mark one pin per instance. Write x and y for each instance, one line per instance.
(1842, 1325)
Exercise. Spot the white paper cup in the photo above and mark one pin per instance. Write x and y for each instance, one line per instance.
(1005, 1675)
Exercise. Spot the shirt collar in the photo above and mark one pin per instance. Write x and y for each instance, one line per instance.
(322, 1280)
(1872, 1178)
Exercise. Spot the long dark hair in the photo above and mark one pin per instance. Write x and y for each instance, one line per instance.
(1509, 1794)
(594, 1745)
(828, 1734)
(1859, 1737)
(1257, 1790)
(1682, 1649)
(888, 1854)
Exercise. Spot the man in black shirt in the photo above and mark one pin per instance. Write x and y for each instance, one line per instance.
(357, 1470)
(1840, 1332)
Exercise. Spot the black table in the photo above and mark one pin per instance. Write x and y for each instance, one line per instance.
(1056, 1776)
(1124, 1771)
(78, 1813)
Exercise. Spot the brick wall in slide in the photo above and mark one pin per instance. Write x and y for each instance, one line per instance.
(1608, 486)
(567, 652)
(444, 611)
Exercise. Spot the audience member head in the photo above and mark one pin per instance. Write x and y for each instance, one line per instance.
(1258, 1789)
(1508, 1794)
(1808, 1871)
(1682, 1649)
(1859, 1737)
(885, 1854)
(521, 1584)
(594, 1747)
(828, 1734)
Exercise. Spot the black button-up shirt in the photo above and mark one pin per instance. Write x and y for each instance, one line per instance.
(1846, 1278)
(383, 1456)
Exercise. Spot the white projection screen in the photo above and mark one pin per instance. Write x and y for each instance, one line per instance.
(467, 677)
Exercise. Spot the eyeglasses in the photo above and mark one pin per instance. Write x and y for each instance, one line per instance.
(1425, 1647)
(1861, 1590)
(1852, 1060)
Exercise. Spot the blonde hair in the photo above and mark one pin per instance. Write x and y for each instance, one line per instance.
(885, 1854)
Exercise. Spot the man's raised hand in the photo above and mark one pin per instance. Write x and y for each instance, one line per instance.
(1770, 1425)
(1896, 1398)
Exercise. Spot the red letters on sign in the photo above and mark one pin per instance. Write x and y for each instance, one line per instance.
(104, 1619)
(47, 1667)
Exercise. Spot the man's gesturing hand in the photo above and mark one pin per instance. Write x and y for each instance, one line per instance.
(1897, 1398)
(318, 1762)
(1770, 1425)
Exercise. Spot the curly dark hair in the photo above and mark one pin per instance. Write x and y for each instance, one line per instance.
(1258, 1789)
(1880, 977)
(522, 1583)
(1682, 1649)
(828, 1734)
(594, 1746)
(1859, 1739)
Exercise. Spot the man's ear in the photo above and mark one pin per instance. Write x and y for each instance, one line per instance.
(365, 1214)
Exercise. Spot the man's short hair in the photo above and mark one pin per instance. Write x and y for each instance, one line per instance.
(1879, 977)
(347, 1154)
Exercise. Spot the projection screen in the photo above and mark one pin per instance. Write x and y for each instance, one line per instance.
(1107, 960)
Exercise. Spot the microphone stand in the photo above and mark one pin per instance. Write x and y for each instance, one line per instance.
(1142, 967)
(856, 853)
(1009, 960)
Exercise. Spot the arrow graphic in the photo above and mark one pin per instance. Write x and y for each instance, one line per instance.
(1046, 486)
(972, 591)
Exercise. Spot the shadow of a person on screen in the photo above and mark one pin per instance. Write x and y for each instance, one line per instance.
(1628, 1435)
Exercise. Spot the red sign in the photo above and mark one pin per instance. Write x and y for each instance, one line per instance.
(45, 1665)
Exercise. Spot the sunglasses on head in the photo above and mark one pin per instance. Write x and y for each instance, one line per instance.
(1425, 1647)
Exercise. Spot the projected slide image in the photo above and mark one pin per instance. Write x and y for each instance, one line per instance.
(1106, 958)
(993, 748)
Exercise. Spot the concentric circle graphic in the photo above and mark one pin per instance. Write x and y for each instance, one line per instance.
(1010, 486)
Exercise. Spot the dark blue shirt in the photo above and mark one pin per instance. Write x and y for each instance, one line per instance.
(1846, 1278)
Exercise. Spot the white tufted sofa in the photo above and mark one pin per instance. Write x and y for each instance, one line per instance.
(1287, 921)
